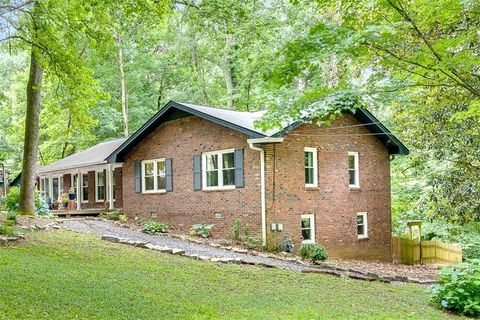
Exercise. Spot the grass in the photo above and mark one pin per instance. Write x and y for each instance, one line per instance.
(65, 275)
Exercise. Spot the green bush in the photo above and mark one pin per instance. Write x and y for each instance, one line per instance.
(237, 228)
(459, 289)
(153, 227)
(7, 230)
(252, 243)
(12, 202)
(313, 251)
(201, 229)
(12, 217)
(113, 215)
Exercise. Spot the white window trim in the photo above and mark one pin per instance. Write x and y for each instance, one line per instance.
(365, 224)
(97, 199)
(220, 170)
(312, 227)
(81, 187)
(315, 167)
(155, 180)
(357, 169)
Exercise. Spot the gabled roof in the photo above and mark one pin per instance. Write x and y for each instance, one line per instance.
(89, 157)
(243, 122)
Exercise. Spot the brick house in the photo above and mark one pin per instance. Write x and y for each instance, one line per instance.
(192, 164)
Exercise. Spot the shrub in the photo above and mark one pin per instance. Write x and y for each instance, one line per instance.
(12, 217)
(12, 202)
(113, 215)
(201, 229)
(153, 227)
(313, 251)
(6, 230)
(252, 243)
(459, 288)
(237, 226)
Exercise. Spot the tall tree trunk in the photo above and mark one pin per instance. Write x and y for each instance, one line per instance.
(32, 124)
(228, 72)
(199, 68)
(67, 136)
(123, 86)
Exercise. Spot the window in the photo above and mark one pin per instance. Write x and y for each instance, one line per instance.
(55, 189)
(362, 225)
(47, 190)
(219, 169)
(153, 176)
(74, 184)
(84, 187)
(311, 167)
(308, 228)
(353, 180)
(42, 187)
(100, 186)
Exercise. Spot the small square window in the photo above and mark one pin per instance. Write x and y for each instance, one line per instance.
(308, 228)
(362, 225)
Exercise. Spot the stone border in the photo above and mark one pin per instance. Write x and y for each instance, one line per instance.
(181, 252)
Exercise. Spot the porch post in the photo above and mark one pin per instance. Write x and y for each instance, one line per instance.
(79, 196)
(110, 186)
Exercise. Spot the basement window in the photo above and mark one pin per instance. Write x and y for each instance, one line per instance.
(362, 225)
(308, 228)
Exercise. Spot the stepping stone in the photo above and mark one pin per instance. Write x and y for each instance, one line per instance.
(179, 252)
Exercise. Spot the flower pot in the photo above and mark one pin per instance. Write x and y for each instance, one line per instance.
(72, 196)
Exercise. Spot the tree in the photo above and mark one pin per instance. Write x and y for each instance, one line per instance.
(57, 34)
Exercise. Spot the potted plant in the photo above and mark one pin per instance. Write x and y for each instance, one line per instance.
(65, 198)
(71, 194)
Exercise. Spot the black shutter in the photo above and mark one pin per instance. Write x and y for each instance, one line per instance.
(197, 172)
(138, 176)
(239, 183)
(168, 174)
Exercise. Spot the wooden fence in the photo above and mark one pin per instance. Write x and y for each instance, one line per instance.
(406, 251)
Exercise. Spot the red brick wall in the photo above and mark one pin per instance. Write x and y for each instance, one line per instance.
(333, 203)
(181, 139)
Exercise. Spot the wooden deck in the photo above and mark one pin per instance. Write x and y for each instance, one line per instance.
(81, 212)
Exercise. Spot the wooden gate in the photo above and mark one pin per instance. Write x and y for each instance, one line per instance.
(406, 251)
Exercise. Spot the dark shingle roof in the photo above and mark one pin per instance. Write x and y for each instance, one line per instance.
(91, 156)
(244, 122)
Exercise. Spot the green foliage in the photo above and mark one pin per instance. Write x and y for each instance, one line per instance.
(113, 215)
(153, 227)
(12, 217)
(237, 228)
(313, 251)
(202, 230)
(252, 243)
(7, 230)
(12, 200)
(459, 288)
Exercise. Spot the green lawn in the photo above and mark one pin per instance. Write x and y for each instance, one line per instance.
(64, 275)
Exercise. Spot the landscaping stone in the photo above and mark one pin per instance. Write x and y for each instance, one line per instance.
(153, 247)
(226, 260)
(5, 240)
(239, 250)
(204, 258)
(215, 260)
(112, 238)
(178, 252)
(166, 250)
(193, 256)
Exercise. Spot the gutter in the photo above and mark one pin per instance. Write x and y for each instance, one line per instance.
(251, 143)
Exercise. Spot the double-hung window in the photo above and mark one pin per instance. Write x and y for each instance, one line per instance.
(42, 187)
(219, 169)
(311, 167)
(153, 176)
(353, 179)
(308, 228)
(84, 187)
(362, 225)
(100, 186)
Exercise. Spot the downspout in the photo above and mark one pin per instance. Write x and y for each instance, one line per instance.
(251, 143)
(262, 191)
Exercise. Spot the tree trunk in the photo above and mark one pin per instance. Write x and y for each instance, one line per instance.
(200, 72)
(227, 71)
(32, 124)
(123, 86)
(67, 135)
